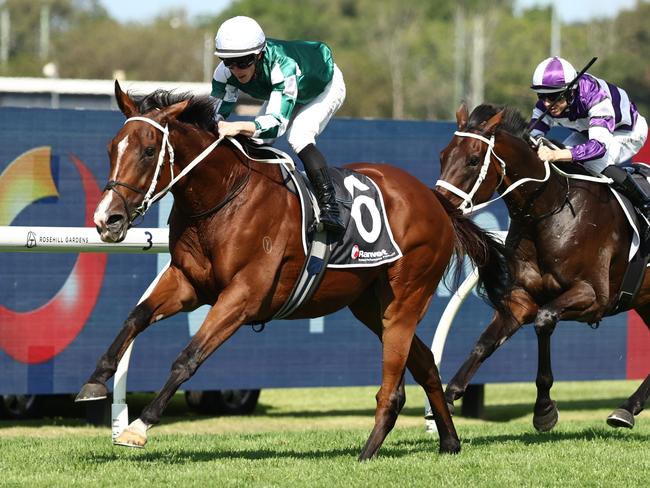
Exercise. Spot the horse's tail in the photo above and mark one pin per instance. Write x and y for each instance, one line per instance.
(487, 253)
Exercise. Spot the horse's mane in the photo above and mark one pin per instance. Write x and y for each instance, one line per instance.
(199, 112)
(512, 121)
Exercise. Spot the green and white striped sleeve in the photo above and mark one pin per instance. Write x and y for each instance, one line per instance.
(225, 93)
(273, 123)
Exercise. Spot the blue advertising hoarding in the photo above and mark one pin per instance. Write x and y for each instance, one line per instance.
(59, 312)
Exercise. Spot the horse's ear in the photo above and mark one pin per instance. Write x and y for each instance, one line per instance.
(462, 115)
(127, 106)
(173, 111)
(491, 125)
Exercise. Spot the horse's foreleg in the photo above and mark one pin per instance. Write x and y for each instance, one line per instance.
(422, 366)
(522, 310)
(223, 319)
(623, 416)
(168, 297)
(579, 299)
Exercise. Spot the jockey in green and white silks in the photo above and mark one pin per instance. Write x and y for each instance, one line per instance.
(302, 88)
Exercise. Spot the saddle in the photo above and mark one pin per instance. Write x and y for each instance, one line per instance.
(368, 239)
(639, 252)
(638, 263)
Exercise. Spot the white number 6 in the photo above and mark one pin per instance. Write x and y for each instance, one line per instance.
(351, 183)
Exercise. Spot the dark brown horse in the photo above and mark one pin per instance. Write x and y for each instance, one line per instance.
(568, 241)
(235, 244)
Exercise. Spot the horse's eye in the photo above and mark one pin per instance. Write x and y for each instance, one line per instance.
(474, 160)
(149, 151)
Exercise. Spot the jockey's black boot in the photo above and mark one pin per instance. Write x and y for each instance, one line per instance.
(316, 169)
(627, 185)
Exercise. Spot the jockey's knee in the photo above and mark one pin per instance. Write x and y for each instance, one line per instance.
(300, 140)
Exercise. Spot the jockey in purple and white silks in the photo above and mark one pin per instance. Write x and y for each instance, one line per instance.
(607, 130)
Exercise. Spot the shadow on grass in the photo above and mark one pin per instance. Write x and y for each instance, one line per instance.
(525, 439)
(535, 438)
(183, 456)
(393, 448)
(73, 414)
(506, 413)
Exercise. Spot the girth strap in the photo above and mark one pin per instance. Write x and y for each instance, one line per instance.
(315, 265)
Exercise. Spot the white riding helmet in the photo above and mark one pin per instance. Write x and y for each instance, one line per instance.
(552, 75)
(238, 37)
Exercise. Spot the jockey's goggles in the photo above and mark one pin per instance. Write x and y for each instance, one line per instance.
(241, 62)
(552, 97)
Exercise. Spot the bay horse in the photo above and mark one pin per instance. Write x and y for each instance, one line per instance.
(235, 244)
(568, 244)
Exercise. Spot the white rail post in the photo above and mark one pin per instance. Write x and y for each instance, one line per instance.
(119, 407)
(444, 325)
(86, 239)
(440, 336)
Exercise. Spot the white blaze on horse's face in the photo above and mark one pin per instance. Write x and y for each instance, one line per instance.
(121, 149)
(108, 201)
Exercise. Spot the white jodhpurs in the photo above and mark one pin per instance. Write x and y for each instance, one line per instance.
(623, 147)
(308, 121)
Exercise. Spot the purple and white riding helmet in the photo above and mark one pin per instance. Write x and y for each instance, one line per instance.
(552, 75)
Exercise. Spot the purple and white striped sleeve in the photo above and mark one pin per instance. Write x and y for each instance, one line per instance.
(542, 126)
(601, 125)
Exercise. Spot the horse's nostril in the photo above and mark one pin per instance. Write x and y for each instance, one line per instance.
(113, 219)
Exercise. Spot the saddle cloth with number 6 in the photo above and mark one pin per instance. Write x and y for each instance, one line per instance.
(368, 240)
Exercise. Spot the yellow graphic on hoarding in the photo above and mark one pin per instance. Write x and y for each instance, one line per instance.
(27, 179)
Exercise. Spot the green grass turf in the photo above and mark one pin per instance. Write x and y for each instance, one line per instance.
(311, 437)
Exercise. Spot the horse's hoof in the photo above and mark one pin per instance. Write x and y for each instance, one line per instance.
(620, 418)
(92, 391)
(366, 456)
(544, 423)
(130, 438)
(449, 446)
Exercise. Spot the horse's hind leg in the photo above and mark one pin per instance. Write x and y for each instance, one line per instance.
(368, 311)
(166, 299)
(422, 366)
(397, 324)
(576, 301)
(522, 310)
(396, 340)
(623, 416)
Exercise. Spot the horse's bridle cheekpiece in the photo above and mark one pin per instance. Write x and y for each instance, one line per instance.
(468, 206)
(166, 147)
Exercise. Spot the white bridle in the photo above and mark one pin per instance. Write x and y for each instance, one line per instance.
(468, 205)
(149, 197)
(166, 147)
